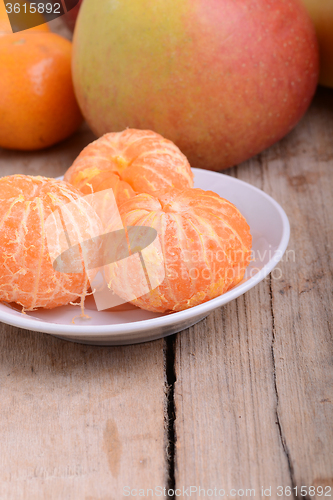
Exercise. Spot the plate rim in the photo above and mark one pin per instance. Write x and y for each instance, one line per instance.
(147, 325)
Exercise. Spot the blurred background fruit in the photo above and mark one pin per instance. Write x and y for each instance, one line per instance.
(222, 79)
(38, 107)
(5, 27)
(321, 12)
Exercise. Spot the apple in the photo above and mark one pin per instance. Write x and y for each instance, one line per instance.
(321, 12)
(223, 79)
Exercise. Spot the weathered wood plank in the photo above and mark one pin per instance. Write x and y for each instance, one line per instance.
(302, 300)
(50, 162)
(253, 394)
(79, 422)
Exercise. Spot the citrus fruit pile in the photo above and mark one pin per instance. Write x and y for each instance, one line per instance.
(202, 249)
(38, 107)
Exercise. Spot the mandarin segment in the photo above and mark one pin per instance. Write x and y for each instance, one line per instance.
(27, 276)
(130, 161)
(206, 246)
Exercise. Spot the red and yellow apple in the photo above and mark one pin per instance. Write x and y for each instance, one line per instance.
(321, 12)
(223, 79)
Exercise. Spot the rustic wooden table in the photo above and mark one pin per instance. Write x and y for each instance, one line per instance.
(240, 401)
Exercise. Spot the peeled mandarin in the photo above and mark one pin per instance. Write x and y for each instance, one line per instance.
(130, 162)
(27, 275)
(203, 249)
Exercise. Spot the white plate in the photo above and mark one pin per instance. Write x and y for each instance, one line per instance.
(270, 232)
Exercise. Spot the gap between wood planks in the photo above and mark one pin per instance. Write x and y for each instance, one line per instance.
(282, 438)
(170, 413)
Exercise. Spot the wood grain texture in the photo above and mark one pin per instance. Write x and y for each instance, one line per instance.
(79, 422)
(50, 162)
(253, 390)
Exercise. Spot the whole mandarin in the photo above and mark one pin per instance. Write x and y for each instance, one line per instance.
(38, 107)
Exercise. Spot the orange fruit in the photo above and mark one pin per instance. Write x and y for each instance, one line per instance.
(204, 246)
(27, 276)
(5, 27)
(130, 161)
(38, 107)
